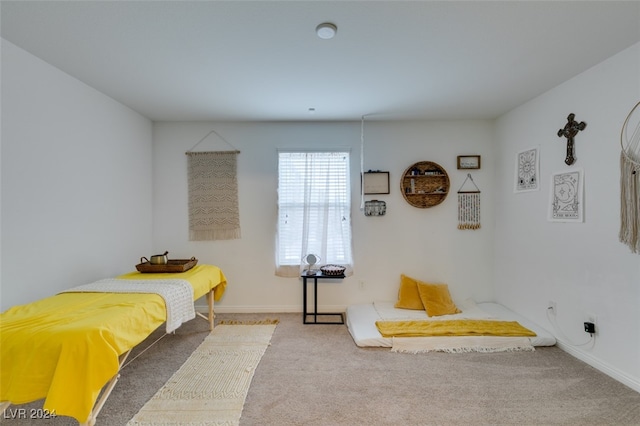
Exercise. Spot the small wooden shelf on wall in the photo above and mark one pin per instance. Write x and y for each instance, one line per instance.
(424, 184)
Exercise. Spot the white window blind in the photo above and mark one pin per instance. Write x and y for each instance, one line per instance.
(314, 210)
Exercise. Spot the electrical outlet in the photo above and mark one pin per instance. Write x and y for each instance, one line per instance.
(551, 306)
(590, 327)
(361, 284)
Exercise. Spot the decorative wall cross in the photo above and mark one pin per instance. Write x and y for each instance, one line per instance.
(569, 131)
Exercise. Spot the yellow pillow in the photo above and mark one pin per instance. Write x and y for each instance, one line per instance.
(408, 296)
(437, 299)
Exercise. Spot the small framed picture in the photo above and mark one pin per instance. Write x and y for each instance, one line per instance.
(527, 171)
(468, 162)
(375, 182)
(566, 196)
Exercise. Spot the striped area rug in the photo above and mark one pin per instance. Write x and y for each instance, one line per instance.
(211, 386)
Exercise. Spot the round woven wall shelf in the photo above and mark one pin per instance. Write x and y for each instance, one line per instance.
(424, 184)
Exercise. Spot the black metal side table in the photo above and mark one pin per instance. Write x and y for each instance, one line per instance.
(316, 276)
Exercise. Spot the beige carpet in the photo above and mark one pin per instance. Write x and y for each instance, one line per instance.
(314, 375)
(211, 386)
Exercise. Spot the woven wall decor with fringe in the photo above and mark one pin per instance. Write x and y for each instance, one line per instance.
(213, 196)
(630, 181)
(469, 206)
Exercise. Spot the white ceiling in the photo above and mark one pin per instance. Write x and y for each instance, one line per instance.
(245, 60)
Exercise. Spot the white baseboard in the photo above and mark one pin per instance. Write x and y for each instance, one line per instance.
(270, 309)
(610, 371)
(250, 309)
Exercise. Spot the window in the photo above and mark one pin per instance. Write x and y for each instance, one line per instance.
(314, 209)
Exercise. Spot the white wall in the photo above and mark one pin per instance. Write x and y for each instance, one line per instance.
(76, 181)
(424, 243)
(581, 266)
(78, 204)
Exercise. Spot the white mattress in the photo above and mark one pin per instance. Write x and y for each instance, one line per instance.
(361, 321)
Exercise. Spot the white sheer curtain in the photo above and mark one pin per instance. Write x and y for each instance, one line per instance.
(314, 210)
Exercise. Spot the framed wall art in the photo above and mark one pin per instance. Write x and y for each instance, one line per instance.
(527, 174)
(468, 162)
(566, 197)
(375, 182)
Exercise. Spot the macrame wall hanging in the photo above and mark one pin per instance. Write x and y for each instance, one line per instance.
(469, 206)
(213, 194)
(630, 181)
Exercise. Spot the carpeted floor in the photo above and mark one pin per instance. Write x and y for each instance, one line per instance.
(315, 375)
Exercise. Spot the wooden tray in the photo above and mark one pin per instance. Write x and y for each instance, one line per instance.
(173, 265)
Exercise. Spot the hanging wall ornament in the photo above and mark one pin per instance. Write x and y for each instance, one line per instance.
(213, 193)
(630, 181)
(570, 131)
(469, 206)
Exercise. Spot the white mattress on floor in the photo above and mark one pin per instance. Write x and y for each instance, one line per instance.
(361, 320)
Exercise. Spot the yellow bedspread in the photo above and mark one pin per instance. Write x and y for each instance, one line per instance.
(460, 327)
(65, 348)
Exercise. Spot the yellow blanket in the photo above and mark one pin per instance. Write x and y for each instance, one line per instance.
(462, 327)
(65, 348)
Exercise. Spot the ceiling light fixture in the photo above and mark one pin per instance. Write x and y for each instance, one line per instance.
(326, 30)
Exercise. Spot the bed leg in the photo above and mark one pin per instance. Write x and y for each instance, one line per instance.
(211, 313)
(91, 421)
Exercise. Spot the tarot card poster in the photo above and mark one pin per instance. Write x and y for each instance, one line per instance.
(527, 171)
(566, 197)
